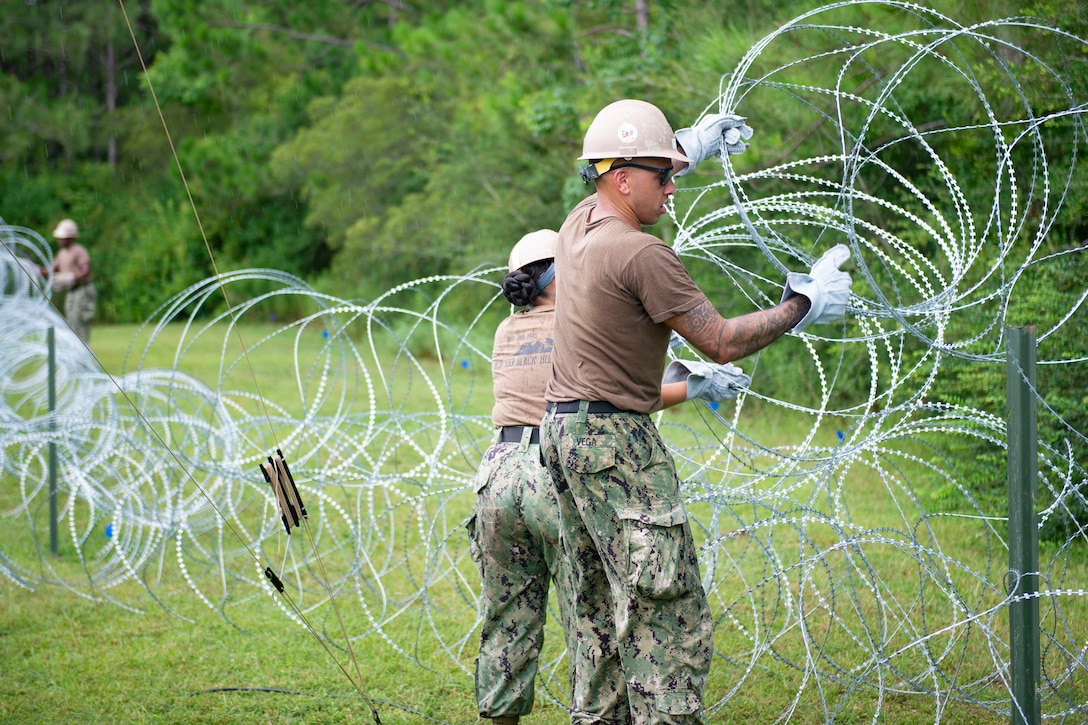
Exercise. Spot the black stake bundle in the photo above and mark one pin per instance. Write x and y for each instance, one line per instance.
(279, 477)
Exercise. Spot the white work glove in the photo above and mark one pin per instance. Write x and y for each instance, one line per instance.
(708, 137)
(707, 381)
(826, 287)
(64, 280)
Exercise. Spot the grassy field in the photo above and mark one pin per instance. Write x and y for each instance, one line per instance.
(68, 658)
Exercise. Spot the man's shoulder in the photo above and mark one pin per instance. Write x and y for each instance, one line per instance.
(635, 241)
(579, 213)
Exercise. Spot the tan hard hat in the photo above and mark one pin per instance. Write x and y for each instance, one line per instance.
(67, 229)
(630, 129)
(533, 247)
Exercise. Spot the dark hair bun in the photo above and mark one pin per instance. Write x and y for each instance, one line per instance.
(519, 288)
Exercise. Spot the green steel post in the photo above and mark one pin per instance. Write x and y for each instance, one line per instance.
(1023, 527)
(51, 340)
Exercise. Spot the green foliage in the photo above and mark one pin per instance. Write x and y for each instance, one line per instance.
(162, 258)
(1042, 300)
(1064, 387)
(425, 162)
(40, 128)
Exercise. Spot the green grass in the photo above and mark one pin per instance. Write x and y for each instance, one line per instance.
(66, 658)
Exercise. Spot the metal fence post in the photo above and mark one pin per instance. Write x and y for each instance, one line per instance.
(1023, 577)
(51, 340)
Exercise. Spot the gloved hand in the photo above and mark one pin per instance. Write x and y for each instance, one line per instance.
(708, 137)
(708, 381)
(63, 281)
(826, 286)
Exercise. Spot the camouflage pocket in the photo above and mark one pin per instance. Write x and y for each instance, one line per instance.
(678, 702)
(655, 546)
(591, 454)
(491, 462)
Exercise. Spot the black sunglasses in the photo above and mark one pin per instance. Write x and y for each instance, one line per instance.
(664, 173)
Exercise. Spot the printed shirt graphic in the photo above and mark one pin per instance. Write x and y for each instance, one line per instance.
(521, 363)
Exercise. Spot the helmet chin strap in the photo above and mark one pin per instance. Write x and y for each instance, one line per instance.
(545, 278)
(596, 169)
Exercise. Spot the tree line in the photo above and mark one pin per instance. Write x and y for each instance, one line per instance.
(356, 144)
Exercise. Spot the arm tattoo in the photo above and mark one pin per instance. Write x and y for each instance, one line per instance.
(698, 320)
(726, 340)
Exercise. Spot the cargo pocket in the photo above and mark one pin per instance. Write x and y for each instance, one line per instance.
(655, 545)
(473, 546)
(484, 474)
(677, 702)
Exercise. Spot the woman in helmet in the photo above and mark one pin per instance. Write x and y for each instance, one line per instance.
(515, 528)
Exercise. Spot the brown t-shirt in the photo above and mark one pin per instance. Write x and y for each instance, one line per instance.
(617, 286)
(521, 363)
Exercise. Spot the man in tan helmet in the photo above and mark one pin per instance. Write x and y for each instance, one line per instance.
(641, 611)
(72, 272)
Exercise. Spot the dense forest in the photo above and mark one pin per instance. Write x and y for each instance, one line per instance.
(355, 143)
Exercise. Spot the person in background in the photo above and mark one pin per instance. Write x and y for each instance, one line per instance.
(515, 528)
(641, 612)
(72, 272)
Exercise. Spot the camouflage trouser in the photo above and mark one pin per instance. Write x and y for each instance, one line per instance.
(514, 540)
(641, 613)
(79, 307)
